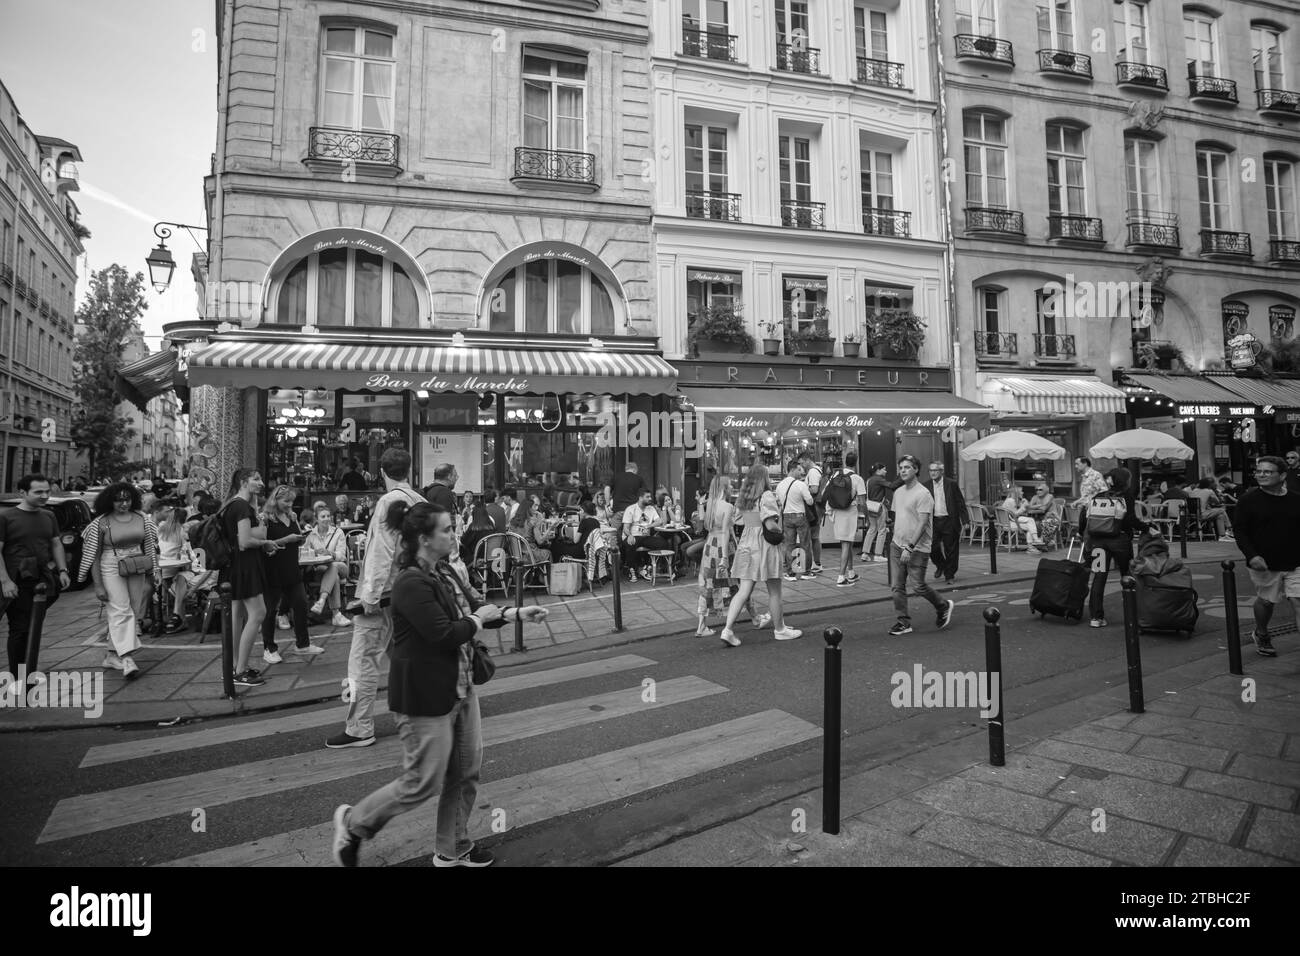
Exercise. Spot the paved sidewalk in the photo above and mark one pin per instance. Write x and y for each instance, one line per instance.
(180, 678)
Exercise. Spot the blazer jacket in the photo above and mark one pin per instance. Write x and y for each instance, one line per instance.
(952, 496)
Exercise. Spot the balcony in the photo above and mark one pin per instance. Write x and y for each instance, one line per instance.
(1218, 244)
(6, 273)
(1153, 230)
(709, 44)
(1065, 63)
(887, 222)
(997, 345)
(373, 153)
(1211, 89)
(1284, 251)
(985, 49)
(704, 204)
(20, 287)
(1058, 348)
(45, 309)
(566, 169)
(1278, 103)
(32, 297)
(880, 73)
(796, 58)
(1063, 228)
(798, 214)
(994, 221)
(1142, 76)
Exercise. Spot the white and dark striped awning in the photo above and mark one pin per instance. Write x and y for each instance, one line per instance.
(1050, 395)
(432, 368)
(148, 378)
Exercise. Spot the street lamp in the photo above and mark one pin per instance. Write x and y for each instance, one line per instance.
(160, 262)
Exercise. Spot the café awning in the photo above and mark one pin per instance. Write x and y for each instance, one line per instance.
(1053, 395)
(1182, 388)
(146, 379)
(432, 368)
(831, 409)
(1280, 392)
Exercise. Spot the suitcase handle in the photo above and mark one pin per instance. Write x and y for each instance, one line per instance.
(1070, 547)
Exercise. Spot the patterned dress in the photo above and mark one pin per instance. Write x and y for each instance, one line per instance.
(756, 560)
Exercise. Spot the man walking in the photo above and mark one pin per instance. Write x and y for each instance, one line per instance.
(949, 516)
(32, 552)
(795, 500)
(845, 496)
(441, 491)
(1268, 533)
(1091, 484)
(813, 479)
(913, 508)
(372, 628)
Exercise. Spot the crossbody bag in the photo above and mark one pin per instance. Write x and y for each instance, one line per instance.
(132, 563)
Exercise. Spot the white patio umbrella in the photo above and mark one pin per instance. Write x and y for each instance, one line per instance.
(1013, 444)
(1141, 443)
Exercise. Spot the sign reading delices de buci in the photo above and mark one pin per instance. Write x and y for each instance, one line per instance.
(840, 422)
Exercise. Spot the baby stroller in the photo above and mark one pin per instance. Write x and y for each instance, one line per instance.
(1166, 600)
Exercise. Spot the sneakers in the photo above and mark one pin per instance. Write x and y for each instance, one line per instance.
(319, 607)
(311, 650)
(808, 576)
(762, 621)
(249, 678)
(945, 616)
(475, 856)
(341, 620)
(791, 576)
(130, 669)
(1032, 550)
(271, 657)
(346, 846)
(852, 577)
(1263, 644)
(728, 637)
(1229, 536)
(868, 557)
(787, 633)
(1097, 622)
(816, 569)
(345, 739)
(282, 622)
(705, 632)
(843, 582)
(112, 660)
(899, 629)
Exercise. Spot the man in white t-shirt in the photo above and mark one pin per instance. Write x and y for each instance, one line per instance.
(844, 494)
(794, 499)
(813, 479)
(909, 550)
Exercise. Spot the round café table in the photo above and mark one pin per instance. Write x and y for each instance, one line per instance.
(314, 560)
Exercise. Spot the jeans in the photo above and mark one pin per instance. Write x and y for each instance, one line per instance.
(441, 755)
(651, 542)
(1120, 553)
(798, 533)
(370, 636)
(19, 610)
(874, 539)
(297, 597)
(916, 566)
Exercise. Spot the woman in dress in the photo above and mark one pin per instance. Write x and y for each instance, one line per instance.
(524, 524)
(757, 559)
(245, 574)
(1018, 509)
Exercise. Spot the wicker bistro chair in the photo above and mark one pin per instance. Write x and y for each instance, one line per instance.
(1008, 531)
(977, 527)
(537, 574)
(491, 563)
(1167, 517)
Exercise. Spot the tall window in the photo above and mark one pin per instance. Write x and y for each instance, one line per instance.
(554, 92)
(988, 304)
(1051, 325)
(1132, 41)
(986, 160)
(1142, 177)
(1279, 186)
(551, 295)
(877, 179)
(870, 35)
(1055, 24)
(792, 23)
(358, 67)
(978, 17)
(706, 158)
(347, 287)
(707, 289)
(796, 169)
(1266, 54)
(1200, 44)
(804, 301)
(708, 28)
(1212, 189)
(1067, 193)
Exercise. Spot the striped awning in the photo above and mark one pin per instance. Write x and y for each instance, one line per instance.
(146, 379)
(1182, 388)
(1053, 396)
(1280, 392)
(432, 368)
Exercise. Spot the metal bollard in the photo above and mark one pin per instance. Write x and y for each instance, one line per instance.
(1131, 649)
(1230, 610)
(616, 569)
(39, 607)
(993, 666)
(831, 736)
(519, 606)
(1182, 533)
(889, 561)
(227, 645)
(991, 535)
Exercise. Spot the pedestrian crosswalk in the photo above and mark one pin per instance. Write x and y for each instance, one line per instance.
(506, 803)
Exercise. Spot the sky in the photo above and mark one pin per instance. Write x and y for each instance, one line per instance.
(133, 83)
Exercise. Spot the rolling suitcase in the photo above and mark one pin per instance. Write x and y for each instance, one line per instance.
(1060, 587)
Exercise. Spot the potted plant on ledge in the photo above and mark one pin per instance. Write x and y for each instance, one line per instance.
(721, 329)
(815, 340)
(895, 334)
(852, 345)
(771, 338)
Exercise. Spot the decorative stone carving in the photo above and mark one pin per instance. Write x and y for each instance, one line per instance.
(1154, 271)
(1146, 116)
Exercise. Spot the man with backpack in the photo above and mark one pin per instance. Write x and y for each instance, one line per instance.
(1108, 523)
(844, 496)
(812, 477)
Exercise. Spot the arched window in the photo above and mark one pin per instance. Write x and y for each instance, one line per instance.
(347, 287)
(551, 295)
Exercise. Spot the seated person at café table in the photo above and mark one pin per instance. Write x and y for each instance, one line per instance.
(1018, 508)
(640, 522)
(323, 539)
(524, 524)
(480, 525)
(564, 548)
(174, 545)
(342, 513)
(1212, 508)
(1043, 510)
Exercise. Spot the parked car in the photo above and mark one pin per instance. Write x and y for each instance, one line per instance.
(73, 514)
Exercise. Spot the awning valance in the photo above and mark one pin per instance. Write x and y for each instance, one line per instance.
(1182, 388)
(1280, 393)
(146, 379)
(832, 409)
(433, 368)
(1050, 395)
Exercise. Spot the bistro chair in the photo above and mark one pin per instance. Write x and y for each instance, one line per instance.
(1008, 530)
(537, 574)
(492, 563)
(661, 565)
(1169, 517)
(1070, 522)
(977, 526)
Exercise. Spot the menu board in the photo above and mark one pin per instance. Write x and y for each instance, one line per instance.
(462, 449)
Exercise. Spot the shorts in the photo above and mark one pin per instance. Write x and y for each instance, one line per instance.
(1271, 585)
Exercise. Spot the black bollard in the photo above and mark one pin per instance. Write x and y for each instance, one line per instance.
(227, 645)
(159, 613)
(991, 535)
(993, 666)
(1182, 533)
(831, 733)
(519, 606)
(616, 569)
(39, 606)
(1131, 648)
(889, 559)
(1230, 610)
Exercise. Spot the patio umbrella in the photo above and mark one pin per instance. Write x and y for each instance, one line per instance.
(1012, 444)
(1141, 443)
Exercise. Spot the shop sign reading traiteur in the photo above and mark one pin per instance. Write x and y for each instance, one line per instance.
(803, 374)
(1218, 411)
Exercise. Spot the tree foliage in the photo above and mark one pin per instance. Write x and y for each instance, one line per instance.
(113, 303)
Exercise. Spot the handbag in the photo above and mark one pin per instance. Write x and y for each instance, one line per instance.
(133, 563)
(480, 662)
(874, 507)
(776, 537)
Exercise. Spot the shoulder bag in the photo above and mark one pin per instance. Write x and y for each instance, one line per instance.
(482, 667)
(132, 563)
(778, 536)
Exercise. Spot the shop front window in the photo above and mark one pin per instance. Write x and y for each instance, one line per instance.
(804, 302)
(302, 447)
(380, 424)
(553, 444)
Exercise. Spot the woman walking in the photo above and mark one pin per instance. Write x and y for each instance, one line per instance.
(284, 575)
(430, 694)
(878, 494)
(756, 558)
(245, 574)
(120, 554)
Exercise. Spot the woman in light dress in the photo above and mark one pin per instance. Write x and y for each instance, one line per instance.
(757, 559)
(719, 517)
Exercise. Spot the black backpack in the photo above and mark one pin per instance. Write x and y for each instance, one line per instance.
(837, 492)
(212, 539)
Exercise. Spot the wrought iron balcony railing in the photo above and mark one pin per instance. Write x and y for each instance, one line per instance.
(710, 44)
(1053, 346)
(1284, 250)
(1284, 102)
(796, 58)
(887, 222)
(1217, 242)
(992, 49)
(6, 273)
(997, 344)
(1075, 228)
(803, 215)
(1065, 63)
(1155, 229)
(992, 219)
(45, 309)
(561, 166)
(1213, 88)
(330, 144)
(704, 204)
(1128, 73)
(20, 287)
(32, 296)
(880, 73)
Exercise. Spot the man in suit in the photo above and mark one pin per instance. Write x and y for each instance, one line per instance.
(949, 516)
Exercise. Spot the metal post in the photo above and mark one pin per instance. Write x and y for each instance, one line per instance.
(1230, 610)
(1182, 529)
(159, 612)
(227, 645)
(39, 607)
(1131, 648)
(519, 606)
(831, 735)
(616, 569)
(889, 561)
(991, 535)
(993, 666)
